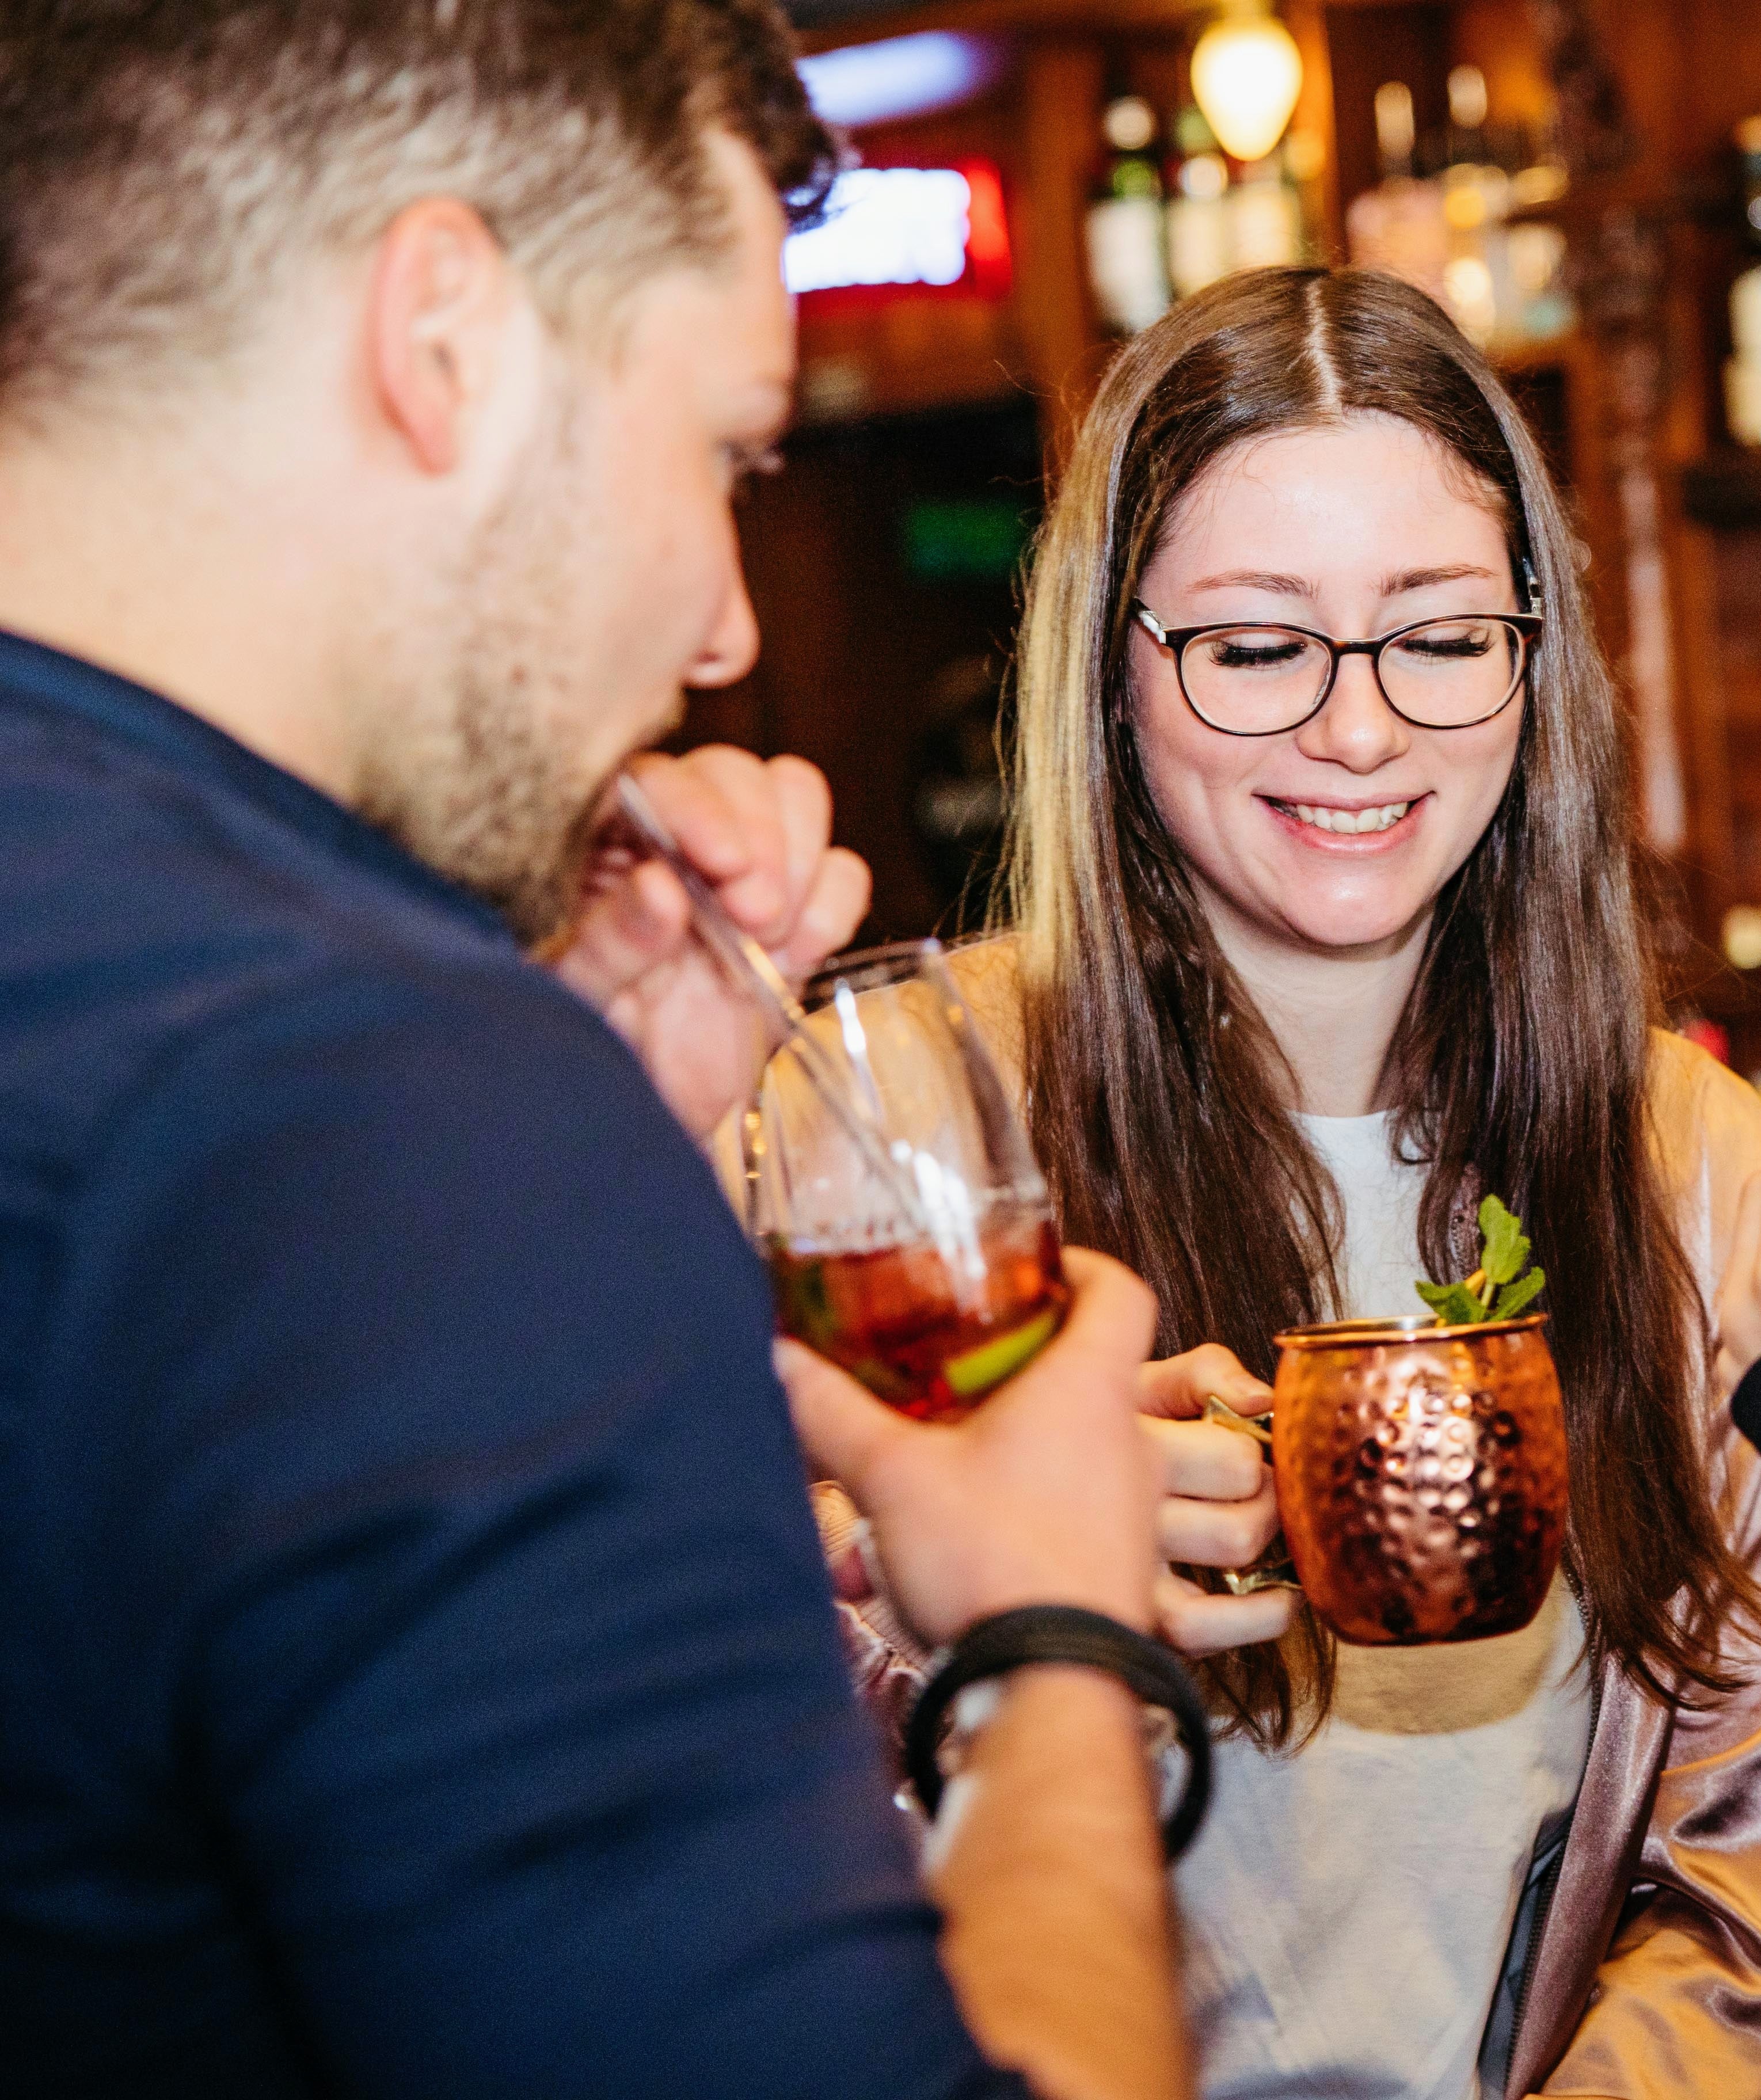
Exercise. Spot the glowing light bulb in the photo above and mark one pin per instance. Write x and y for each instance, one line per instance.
(1247, 74)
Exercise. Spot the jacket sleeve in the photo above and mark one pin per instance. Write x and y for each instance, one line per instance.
(1676, 2007)
(887, 1666)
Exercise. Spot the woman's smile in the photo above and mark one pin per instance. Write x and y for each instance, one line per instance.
(1348, 827)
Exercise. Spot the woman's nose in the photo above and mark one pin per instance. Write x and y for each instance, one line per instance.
(1357, 729)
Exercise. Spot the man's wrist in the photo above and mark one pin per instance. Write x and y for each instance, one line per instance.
(1083, 1691)
(1065, 1639)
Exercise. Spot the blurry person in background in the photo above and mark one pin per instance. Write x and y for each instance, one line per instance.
(417, 1673)
(1325, 921)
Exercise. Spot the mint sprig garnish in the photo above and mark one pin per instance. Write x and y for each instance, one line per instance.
(1497, 1289)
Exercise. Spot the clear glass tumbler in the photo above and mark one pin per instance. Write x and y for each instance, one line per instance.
(908, 1229)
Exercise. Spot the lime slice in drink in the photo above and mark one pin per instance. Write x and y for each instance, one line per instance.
(977, 1370)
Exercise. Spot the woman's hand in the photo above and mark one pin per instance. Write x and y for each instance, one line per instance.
(1739, 1297)
(1218, 1509)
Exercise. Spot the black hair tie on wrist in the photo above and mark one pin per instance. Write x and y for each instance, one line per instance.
(1062, 1634)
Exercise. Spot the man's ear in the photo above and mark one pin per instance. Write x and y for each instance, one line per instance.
(438, 308)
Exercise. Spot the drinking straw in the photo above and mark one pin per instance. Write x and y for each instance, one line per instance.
(745, 963)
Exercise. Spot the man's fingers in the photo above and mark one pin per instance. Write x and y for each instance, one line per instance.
(1178, 1386)
(803, 802)
(843, 1429)
(690, 798)
(760, 830)
(639, 919)
(835, 905)
(720, 807)
(1194, 1622)
(1113, 1312)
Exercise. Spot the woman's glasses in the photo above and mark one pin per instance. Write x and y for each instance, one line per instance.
(1256, 678)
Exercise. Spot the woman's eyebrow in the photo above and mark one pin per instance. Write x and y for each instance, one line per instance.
(1412, 580)
(1257, 580)
(1391, 586)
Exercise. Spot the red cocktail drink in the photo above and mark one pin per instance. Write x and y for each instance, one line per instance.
(932, 1337)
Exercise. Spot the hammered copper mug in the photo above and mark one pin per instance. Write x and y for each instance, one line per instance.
(1421, 1475)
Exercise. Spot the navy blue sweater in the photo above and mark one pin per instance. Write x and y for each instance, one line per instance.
(417, 1672)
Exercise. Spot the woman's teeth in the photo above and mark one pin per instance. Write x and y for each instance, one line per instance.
(1348, 820)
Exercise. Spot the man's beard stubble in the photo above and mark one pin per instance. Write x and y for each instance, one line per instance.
(480, 767)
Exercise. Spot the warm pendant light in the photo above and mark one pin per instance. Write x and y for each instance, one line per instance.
(1247, 74)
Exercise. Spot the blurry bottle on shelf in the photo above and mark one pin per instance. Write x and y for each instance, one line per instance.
(1475, 205)
(1198, 215)
(1128, 265)
(1399, 225)
(1542, 309)
(957, 802)
(1540, 176)
(1466, 144)
(1264, 212)
(1742, 375)
(1305, 163)
(1450, 233)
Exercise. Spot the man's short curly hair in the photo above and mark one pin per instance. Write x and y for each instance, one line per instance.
(161, 160)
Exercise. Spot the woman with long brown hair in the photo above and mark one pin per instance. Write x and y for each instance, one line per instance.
(1324, 919)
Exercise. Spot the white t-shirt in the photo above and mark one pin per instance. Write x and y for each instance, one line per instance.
(1346, 1909)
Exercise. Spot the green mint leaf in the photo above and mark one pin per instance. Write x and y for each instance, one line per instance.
(1514, 1297)
(1454, 1303)
(1506, 1250)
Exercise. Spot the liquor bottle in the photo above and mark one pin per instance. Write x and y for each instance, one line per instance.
(1198, 251)
(1127, 256)
(1265, 215)
(1476, 278)
(1465, 142)
(1399, 225)
(1742, 375)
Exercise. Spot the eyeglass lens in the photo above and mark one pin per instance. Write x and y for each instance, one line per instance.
(1444, 675)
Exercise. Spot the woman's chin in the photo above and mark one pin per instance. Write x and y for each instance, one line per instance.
(1359, 911)
(1354, 930)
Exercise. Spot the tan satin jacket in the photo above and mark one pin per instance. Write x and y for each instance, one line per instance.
(1641, 1975)
(1645, 1979)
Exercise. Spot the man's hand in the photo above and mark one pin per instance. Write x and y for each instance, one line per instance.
(1218, 1508)
(1050, 1879)
(760, 832)
(1045, 1495)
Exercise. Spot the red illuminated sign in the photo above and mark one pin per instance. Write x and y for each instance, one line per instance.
(893, 232)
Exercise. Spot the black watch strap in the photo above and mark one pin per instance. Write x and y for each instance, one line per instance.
(1062, 1633)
